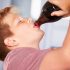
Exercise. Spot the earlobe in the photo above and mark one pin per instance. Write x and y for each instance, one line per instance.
(10, 42)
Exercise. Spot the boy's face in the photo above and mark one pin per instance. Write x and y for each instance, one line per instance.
(23, 29)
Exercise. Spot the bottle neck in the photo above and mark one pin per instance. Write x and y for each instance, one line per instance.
(41, 21)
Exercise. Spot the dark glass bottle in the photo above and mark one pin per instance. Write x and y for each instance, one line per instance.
(45, 15)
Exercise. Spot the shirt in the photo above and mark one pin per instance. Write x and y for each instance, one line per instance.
(24, 59)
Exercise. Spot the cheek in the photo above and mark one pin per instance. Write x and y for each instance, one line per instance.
(28, 33)
(36, 34)
(21, 30)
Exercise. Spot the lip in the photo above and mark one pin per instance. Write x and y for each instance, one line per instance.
(36, 26)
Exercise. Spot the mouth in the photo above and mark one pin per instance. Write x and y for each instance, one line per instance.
(36, 25)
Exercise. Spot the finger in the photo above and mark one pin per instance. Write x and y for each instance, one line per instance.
(58, 13)
(54, 2)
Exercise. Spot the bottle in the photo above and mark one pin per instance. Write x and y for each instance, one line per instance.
(45, 15)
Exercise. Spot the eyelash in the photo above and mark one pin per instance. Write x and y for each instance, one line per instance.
(21, 21)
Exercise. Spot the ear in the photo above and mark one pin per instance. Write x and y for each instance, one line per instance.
(10, 41)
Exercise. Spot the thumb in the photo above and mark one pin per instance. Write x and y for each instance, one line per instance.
(58, 13)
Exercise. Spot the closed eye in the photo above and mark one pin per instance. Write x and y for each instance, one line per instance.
(21, 20)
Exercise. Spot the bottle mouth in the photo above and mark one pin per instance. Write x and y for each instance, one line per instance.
(36, 24)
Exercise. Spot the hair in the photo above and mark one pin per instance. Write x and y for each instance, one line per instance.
(4, 32)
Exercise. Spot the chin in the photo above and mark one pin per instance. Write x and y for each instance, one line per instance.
(41, 35)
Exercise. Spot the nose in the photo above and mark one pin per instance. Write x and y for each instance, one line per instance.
(23, 20)
(30, 20)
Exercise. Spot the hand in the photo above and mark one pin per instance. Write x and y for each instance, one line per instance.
(64, 5)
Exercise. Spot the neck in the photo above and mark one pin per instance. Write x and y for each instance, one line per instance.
(31, 45)
(36, 46)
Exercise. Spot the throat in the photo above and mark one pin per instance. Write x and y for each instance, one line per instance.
(31, 45)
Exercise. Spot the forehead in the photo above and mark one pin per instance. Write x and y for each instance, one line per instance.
(10, 18)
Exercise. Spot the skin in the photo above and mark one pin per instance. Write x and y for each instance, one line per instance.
(28, 35)
(64, 5)
(25, 33)
(56, 59)
(60, 56)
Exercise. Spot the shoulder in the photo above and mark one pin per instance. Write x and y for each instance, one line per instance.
(50, 60)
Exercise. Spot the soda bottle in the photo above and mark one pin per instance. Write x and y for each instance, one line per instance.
(45, 15)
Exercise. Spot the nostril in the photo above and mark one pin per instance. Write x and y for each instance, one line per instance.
(30, 21)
